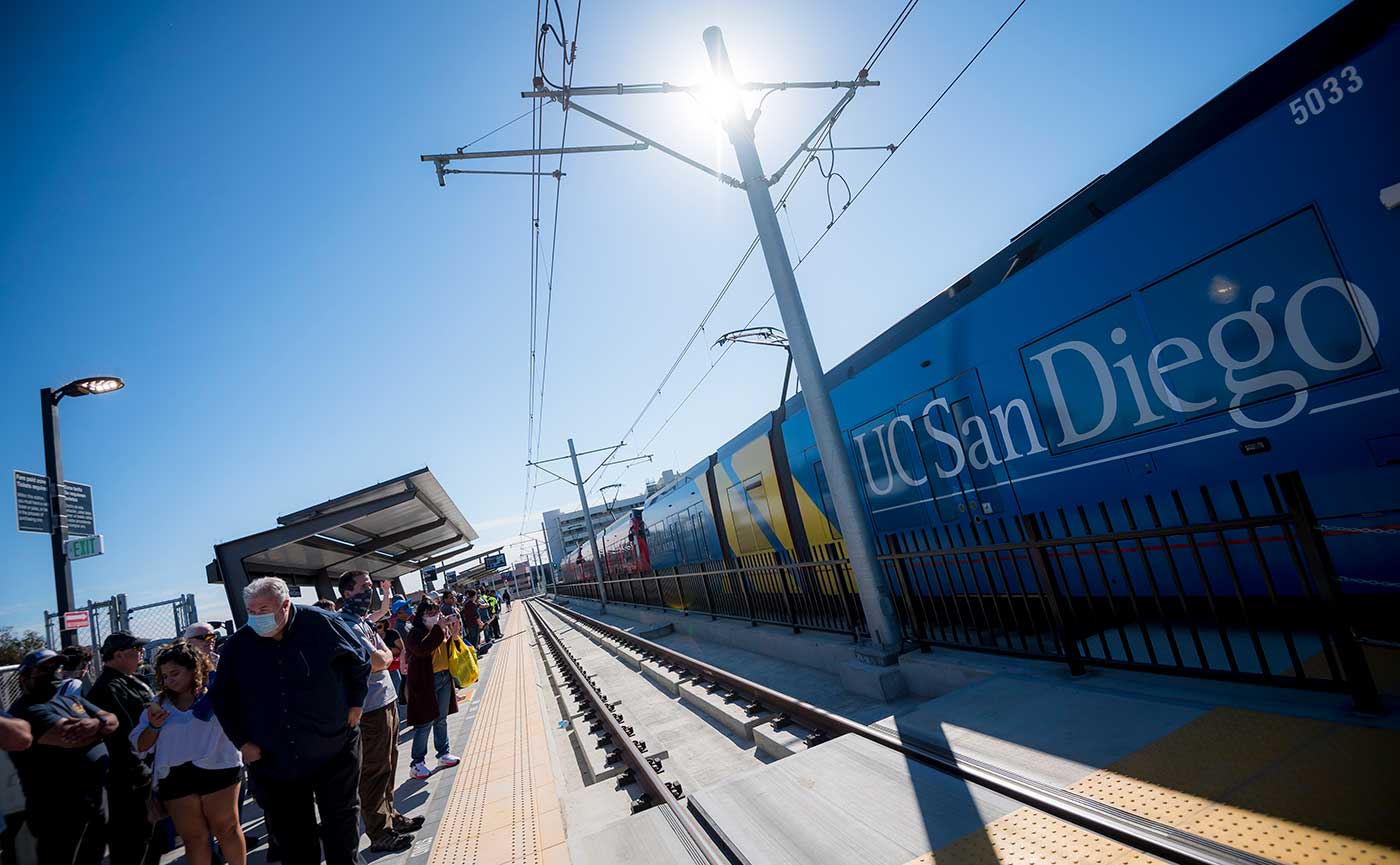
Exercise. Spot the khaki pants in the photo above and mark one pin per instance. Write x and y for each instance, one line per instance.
(379, 731)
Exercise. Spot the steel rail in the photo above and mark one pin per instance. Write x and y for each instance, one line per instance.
(702, 846)
(1140, 833)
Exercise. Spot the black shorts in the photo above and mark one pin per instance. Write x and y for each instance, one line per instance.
(187, 779)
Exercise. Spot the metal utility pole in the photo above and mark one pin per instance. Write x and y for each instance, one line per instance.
(58, 515)
(581, 482)
(860, 545)
(588, 522)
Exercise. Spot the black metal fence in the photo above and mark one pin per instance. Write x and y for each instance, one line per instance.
(763, 588)
(1237, 586)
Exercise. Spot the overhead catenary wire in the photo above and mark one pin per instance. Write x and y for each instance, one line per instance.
(535, 426)
(836, 217)
(914, 128)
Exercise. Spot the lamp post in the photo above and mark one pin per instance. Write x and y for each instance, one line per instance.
(58, 504)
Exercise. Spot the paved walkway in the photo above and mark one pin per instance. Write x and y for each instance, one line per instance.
(503, 807)
(498, 806)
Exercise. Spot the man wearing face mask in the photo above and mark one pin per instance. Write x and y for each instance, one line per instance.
(119, 691)
(388, 830)
(290, 693)
(63, 772)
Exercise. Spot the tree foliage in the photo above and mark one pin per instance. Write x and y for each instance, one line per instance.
(13, 648)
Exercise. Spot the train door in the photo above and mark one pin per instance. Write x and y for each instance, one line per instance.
(966, 462)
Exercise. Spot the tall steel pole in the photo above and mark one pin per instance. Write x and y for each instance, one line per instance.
(539, 560)
(588, 524)
(860, 546)
(58, 514)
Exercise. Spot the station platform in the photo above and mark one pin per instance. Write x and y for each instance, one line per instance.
(1286, 776)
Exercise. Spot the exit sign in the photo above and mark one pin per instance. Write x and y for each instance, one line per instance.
(83, 548)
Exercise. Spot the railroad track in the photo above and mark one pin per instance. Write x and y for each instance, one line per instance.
(1139, 833)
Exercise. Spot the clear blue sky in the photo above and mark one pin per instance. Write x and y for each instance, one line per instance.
(225, 206)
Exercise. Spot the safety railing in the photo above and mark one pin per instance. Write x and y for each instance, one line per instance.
(1198, 584)
(765, 588)
(9, 685)
(1222, 582)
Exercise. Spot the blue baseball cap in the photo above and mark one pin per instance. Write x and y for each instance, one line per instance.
(35, 658)
(399, 606)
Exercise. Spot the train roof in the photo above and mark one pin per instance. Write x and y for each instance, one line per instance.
(1330, 43)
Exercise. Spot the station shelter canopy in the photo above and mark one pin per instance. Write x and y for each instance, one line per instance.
(392, 528)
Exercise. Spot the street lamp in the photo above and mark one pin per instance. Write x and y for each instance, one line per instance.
(58, 505)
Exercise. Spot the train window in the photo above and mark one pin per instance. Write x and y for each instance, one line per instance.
(1260, 321)
(748, 531)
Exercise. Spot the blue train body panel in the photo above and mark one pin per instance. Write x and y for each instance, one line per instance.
(1229, 321)
(1220, 308)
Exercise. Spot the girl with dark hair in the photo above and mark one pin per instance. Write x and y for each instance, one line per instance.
(431, 694)
(196, 766)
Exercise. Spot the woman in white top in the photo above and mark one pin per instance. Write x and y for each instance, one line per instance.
(196, 766)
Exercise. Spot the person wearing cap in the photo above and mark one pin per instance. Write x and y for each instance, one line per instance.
(202, 636)
(120, 691)
(290, 694)
(63, 772)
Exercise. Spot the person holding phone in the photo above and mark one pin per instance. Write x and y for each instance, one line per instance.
(431, 697)
(197, 769)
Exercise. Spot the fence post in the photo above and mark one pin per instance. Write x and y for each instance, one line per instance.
(680, 590)
(782, 574)
(1319, 561)
(1045, 573)
(744, 590)
(709, 597)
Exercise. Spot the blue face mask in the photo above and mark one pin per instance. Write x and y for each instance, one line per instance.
(263, 623)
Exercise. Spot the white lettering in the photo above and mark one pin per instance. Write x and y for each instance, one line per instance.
(983, 441)
(1107, 392)
(879, 432)
(1002, 415)
(948, 440)
(1297, 328)
(1264, 335)
(1190, 353)
(1129, 368)
(894, 452)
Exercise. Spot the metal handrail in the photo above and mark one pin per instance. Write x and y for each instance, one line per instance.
(1149, 836)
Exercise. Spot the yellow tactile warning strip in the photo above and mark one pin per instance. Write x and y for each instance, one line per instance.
(1296, 790)
(503, 808)
(1029, 837)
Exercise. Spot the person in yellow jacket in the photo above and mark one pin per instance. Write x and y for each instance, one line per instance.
(495, 613)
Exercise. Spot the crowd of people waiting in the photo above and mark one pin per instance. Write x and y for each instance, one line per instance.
(300, 708)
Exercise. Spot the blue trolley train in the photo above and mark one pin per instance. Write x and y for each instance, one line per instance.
(1157, 429)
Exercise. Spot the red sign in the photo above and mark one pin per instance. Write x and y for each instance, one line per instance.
(75, 620)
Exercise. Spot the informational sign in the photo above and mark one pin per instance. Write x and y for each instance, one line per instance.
(495, 560)
(293, 591)
(78, 501)
(32, 505)
(76, 619)
(32, 502)
(83, 548)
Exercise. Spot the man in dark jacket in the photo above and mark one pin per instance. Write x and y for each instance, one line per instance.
(63, 772)
(289, 694)
(118, 691)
